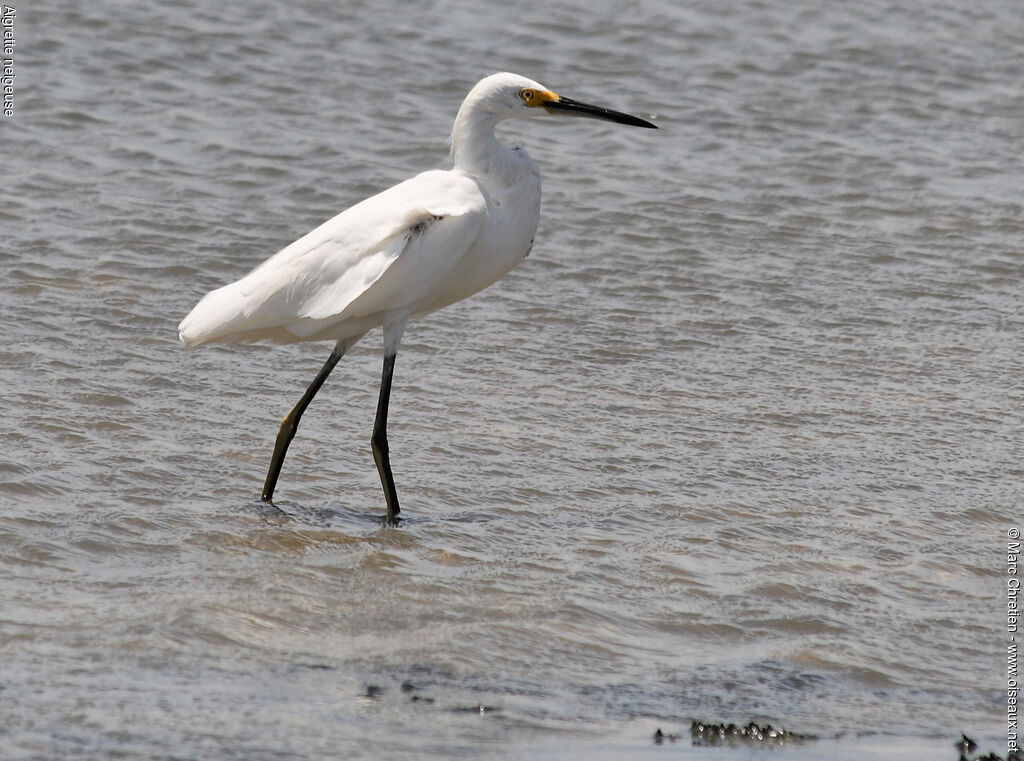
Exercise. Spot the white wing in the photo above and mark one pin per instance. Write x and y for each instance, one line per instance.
(381, 256)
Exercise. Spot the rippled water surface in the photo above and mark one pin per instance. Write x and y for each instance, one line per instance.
(741, 440)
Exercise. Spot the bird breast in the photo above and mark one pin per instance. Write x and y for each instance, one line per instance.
(513, 211)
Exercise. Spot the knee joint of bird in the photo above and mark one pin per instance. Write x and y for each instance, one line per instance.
(288, 426)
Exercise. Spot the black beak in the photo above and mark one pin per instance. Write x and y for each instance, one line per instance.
(570, 107)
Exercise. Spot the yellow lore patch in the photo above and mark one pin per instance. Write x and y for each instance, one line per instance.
(535, 98)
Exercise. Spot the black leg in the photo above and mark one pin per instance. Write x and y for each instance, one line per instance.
(379, 440)
(290, 424)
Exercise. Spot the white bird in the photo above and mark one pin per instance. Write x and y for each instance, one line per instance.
(423, 244)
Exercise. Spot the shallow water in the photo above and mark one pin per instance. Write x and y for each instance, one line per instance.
(740, 441)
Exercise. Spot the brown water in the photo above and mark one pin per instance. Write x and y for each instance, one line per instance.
(741, 440)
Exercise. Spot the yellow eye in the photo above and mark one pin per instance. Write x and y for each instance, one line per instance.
(527, 95)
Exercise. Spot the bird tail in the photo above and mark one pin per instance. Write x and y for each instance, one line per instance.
(215, 317)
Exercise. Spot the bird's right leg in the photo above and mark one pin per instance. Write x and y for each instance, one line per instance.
(379, 441)
(290, 424)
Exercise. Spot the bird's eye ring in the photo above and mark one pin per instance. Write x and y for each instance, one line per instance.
(527, 94)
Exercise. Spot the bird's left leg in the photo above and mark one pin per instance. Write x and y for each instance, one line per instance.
(290, 424)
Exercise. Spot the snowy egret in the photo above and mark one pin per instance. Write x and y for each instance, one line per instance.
(423, 244)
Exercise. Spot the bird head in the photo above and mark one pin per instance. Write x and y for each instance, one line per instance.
(511, 96)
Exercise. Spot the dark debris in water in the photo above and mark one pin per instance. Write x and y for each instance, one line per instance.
(966, 747)
(660, 737)
(412, 691)
(708, 735)
(704, 734)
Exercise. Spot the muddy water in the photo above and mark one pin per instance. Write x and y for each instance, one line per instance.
(740, 441)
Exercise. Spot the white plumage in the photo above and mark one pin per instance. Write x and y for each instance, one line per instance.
(425, 243)
(380, 257)
(392, 255)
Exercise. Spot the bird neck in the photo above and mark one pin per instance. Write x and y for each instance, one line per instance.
(474, 147)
